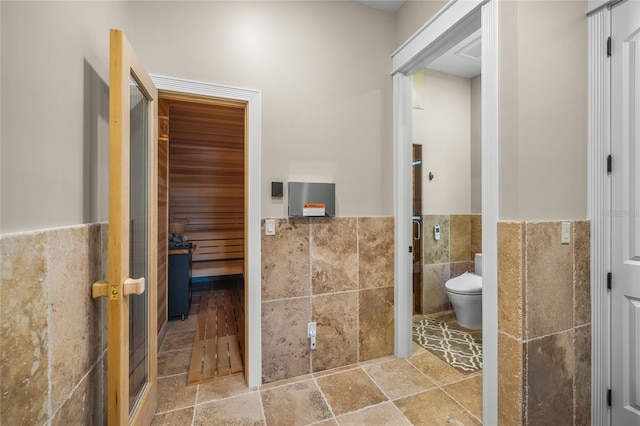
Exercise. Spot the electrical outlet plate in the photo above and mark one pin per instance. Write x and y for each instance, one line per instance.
(311, 334)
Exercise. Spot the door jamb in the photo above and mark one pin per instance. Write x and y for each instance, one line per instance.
(253, 311)
(435, 37)
(599, 202)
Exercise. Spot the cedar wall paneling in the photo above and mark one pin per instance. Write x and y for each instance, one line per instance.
(163, 212)
(206, 180)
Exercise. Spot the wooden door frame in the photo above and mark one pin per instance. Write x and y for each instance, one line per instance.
(253, 264)
(123, 65)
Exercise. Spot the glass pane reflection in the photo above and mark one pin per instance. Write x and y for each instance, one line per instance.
(138, 254)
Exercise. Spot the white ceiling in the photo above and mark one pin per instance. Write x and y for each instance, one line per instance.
(462, 60)
(387, 5)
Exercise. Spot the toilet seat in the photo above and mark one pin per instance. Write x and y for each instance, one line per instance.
(467, 283)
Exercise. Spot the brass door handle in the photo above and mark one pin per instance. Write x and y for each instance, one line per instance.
(133, 286)
(99, 289)
(130, 286)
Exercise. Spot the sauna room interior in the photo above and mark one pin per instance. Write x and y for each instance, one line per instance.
(201, 219)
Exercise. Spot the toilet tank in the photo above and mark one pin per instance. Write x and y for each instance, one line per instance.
(478, 264)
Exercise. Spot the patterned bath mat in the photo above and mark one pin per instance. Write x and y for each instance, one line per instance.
(456, 347)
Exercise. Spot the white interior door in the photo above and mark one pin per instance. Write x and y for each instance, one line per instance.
(625, 192)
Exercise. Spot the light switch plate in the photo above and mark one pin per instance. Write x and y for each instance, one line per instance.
(565, 238)
(270, 227)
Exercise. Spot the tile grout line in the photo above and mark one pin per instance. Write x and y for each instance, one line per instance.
(226, 398)
(193, 418)
(358, 287)
(389, 399)
(77, 385)
(555, 333)
(284, 299)
(47, 284)
(288, 381)
(310, 292)
(376, 383)
(525, 330)
(440, 386)
(459, 403)
(573, 339)
(173, 410)
(324, 398)
(264, 414)
(331, 293)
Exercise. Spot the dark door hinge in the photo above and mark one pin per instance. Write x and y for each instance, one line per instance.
(608, 397)
(410, 249)
(609, 280)
(609, 163)
(609, 47)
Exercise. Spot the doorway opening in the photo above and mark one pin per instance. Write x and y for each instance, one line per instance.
(227, 229)
(446, 112)
(449, 27)
(202, 218)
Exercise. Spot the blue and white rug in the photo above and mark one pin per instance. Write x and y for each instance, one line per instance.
(456, 347)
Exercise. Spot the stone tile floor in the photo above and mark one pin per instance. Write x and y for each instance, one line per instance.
(419, 390)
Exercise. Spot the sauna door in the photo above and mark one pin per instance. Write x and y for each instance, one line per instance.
(132, 376)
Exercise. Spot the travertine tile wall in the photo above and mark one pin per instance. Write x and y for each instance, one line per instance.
(52, 333)
(452, 255)
(544, 339)
(338, 272)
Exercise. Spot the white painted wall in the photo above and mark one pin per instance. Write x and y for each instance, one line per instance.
(476, 146)
(543, 110)
(323, 70)
(413, 15)
(319, 119)
(54, 112)
(443, 128)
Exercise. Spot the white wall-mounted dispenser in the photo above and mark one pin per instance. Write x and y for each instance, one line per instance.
(312, 199)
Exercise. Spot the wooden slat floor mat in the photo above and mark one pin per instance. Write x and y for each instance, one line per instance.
(219, 333)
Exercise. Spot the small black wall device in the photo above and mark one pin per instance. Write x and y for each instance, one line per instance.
(276, 189)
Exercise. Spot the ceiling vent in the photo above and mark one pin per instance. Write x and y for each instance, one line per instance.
(472, 50)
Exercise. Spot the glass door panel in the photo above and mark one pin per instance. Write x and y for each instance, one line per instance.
(417, 229)
(139, 237)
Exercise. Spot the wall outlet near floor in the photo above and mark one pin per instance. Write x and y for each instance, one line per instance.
(311, 334)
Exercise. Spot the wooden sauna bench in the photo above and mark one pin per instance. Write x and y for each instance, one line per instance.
(217, 253)
(218, 235)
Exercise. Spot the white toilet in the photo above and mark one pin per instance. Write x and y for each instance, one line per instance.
(465, 294)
